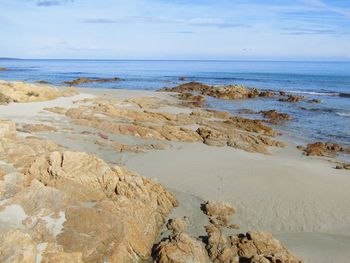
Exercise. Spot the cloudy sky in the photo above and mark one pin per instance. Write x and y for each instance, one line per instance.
(177, 29)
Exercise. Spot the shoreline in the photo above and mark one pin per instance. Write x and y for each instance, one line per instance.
(302, 200)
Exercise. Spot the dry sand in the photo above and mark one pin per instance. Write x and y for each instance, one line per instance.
(304, 202)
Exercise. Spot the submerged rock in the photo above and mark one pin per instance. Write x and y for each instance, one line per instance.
(90, 80)
(292, 98)
(3, 69)
(274, 115)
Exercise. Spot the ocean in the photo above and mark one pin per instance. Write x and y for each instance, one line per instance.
(327, 81)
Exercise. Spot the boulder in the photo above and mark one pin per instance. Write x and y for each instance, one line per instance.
(79, 81)
(327, 149)
(292, 98)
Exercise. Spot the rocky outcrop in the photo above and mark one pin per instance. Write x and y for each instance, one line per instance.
(17, 91)
(4, 99)
(3, 69)
(79, 81)
(123, 212)
(341, 166)
(221, 92)
(220, 247)
(327, 149)
(192, 100)
(292, 98)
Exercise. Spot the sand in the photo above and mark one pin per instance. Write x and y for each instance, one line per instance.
(303, 201)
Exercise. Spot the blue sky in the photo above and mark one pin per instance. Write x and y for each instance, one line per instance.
(178, 29)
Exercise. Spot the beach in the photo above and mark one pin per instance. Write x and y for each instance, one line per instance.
(303, 201)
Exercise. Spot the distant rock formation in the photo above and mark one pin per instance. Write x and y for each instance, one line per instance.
(79, 81)
(327, 149)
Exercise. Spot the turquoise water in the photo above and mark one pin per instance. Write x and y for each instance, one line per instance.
(328, 81)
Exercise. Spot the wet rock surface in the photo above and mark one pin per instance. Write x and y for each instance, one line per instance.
(327, 149)
(79, 81)
(221, 92)
(292, 98)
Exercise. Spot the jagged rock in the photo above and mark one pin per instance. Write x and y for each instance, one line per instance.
(79, 81)
(183, 78)
(259, 245)
(327, 149)
(220, 248)
(292, 98)
(180, 248)
(19, 91)
(37, 128)
(267, 94)
(178, 225)
(219, 213)
(282, 93)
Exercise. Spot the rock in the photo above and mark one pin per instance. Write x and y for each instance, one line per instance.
(314, 101)
(259, 245)
(180, 248)
(3, 69)
(43, 82)
(292, 98)
(16, 246)
(192, 100)
(58, 110)
(247, 111)
(327, 149)
(345, 166)
(220, 248)
(178, 225)
(183, 78)
(5, 99)
(7, 129)
(219, 213)
(267, 94)
(222, 92)
(275, 116)
(79, 81)
(22, 92)
(37, 128)
(282, 93)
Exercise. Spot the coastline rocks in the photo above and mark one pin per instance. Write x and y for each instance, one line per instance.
(4, 99)
(314, 101)
(341, 166)
(274, 115)
(29, 128)
(178, 225)
(327, 149)
(3, 69)
(192, 100)
(292, 98)
(219, 213)
(21, 92)
(231, 92)
(79, 81)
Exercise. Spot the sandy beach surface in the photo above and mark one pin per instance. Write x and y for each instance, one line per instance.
(302, 201)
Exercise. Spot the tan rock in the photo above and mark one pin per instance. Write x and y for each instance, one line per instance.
(178, 225)
(219, 213)
(91, 80)
(180, 248)
(37, 128)
(27, 92)
(327, 149)
(7, 129)
(17, 247)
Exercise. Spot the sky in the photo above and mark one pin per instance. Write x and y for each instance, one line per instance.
(178, 29)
